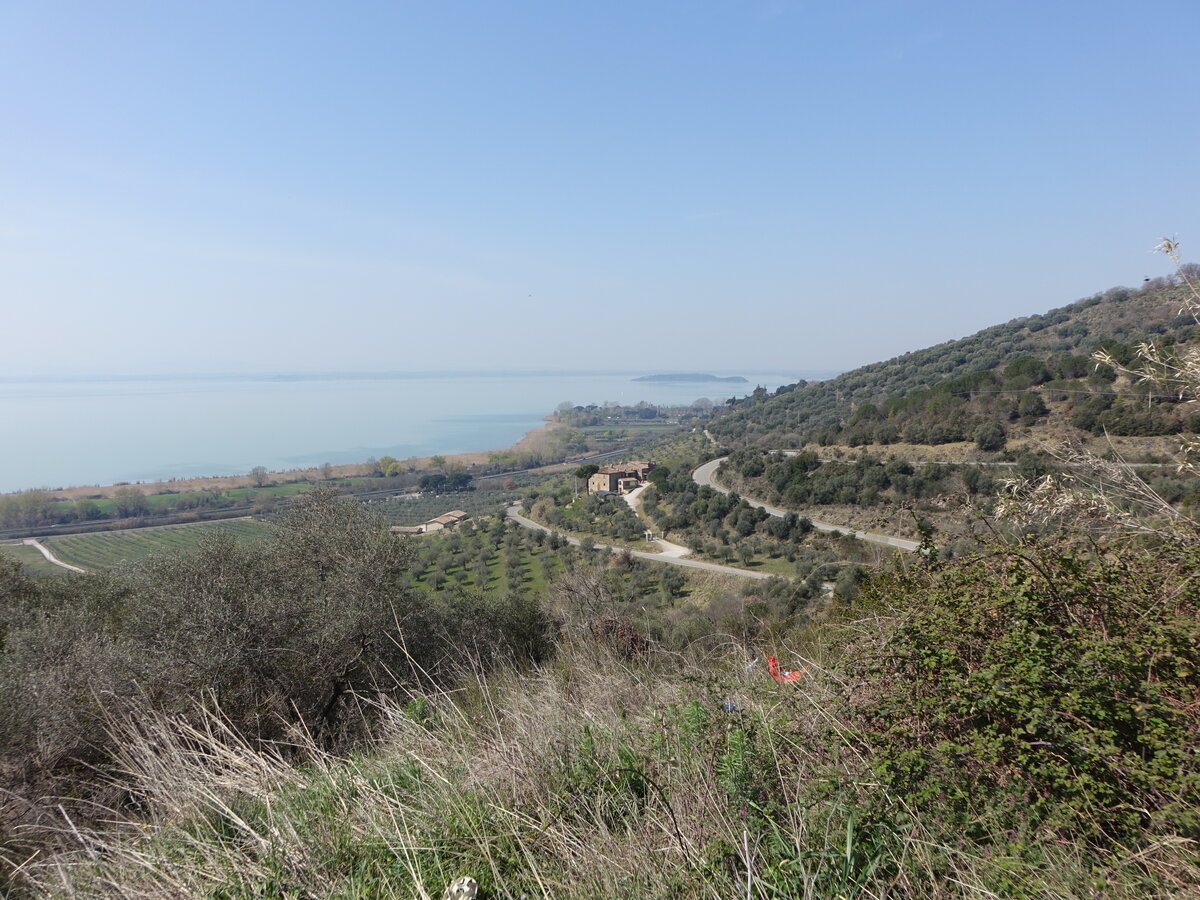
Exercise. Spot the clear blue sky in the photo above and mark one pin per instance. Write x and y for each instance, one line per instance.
(221, 186)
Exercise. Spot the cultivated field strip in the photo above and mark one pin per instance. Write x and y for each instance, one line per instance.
(106, 549)
(31, 561)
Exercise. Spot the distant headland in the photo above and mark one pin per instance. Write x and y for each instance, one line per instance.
(694, 376)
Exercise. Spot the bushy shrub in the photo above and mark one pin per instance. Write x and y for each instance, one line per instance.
(1042, 689)
(990, 436)
(282, 634)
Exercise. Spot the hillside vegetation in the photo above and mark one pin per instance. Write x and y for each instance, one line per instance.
(979, 387)
(1022, 723)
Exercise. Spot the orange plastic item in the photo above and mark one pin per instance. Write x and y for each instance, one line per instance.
(781, 676)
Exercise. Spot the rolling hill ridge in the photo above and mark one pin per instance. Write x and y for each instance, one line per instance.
(1002, 380)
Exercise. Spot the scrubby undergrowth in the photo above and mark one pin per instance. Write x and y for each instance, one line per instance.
(1023, 722)
(1020, 724)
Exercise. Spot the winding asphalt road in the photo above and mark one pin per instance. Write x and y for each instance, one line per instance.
(704, 476)
(514, 513)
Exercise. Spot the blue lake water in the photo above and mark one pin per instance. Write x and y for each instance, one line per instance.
(63, 433)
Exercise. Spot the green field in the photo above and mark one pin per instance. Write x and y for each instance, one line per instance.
(159, 504)
(31, 560)
(246, 494)
(155, 503)
(106, 549)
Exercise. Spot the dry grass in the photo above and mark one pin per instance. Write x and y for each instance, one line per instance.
(594, 777)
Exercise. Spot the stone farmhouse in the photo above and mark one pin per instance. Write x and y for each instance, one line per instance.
(449, 520)
(620, 478)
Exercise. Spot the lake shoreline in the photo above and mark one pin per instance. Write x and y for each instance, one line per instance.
(177, 435)
(467, 460)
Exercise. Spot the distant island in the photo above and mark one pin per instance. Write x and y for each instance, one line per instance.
(693, 376)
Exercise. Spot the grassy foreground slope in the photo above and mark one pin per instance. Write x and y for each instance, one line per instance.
(1022, 723)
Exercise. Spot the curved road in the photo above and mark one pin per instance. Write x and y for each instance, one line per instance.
(45, 551)
(665, 547)
(514, 513)
(703, 476)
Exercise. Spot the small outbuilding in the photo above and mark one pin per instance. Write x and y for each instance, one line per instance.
(449, 520)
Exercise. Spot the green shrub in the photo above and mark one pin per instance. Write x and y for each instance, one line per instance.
(990, 436)
(291, 632)
(1042, 689)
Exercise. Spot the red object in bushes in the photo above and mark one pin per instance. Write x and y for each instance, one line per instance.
(781, 676)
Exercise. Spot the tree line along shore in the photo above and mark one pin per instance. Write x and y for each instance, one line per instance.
(479, 458)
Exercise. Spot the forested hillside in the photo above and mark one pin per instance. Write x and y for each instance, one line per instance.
(1016, 375)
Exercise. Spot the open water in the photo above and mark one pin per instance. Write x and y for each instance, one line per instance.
(64, 433)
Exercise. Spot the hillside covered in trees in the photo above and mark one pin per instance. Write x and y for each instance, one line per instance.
(983, 388)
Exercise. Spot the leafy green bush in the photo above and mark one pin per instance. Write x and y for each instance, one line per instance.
(1042, 688)
(288, 633)
(990, 436)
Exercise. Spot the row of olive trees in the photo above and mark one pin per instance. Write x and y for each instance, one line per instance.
(38, 508)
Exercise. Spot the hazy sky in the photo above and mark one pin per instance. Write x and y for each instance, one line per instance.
(220, 186)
